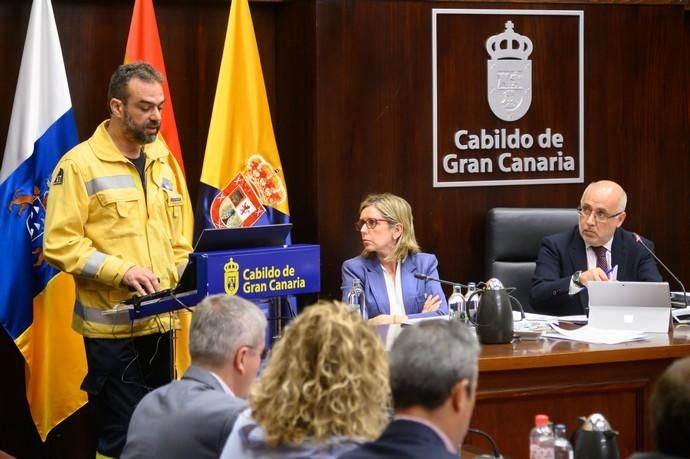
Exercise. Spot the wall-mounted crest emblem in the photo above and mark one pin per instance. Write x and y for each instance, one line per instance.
(509, 74)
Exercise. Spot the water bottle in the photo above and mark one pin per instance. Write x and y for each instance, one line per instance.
(456, 304)
(541, 439)
(473, 304)
(562, 449)
(357, 300)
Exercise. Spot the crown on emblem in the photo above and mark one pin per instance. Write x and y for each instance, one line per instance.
(231, 266)
(509, 45)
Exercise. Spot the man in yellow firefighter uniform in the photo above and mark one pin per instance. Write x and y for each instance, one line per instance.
(115, 221)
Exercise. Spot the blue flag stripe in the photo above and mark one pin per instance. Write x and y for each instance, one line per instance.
(22, 196)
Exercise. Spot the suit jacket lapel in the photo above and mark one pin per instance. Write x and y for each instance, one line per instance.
(578, 257)
(377, 296)
(409, 284)
(578, 252)
(618, 255)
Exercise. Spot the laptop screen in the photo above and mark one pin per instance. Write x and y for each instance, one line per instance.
(241, 238)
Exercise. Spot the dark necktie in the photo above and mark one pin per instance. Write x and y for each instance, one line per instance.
(601, 258)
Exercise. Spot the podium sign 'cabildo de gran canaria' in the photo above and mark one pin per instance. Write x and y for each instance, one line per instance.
(507, 108)
(265, 272)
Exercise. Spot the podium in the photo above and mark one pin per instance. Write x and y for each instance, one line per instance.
(253, 273)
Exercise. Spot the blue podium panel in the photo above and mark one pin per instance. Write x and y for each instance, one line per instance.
(265, 272)
(254, 274)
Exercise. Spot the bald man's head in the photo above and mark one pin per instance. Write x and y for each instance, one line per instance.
(602, 210)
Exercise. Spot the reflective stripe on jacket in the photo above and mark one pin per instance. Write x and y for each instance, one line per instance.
(99, 224)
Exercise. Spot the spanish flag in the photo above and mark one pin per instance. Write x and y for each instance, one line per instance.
(144, 44)
(242, 181)
(36, 300)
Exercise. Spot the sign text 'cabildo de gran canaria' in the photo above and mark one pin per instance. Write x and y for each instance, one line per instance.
(507, 107)
(266, 272)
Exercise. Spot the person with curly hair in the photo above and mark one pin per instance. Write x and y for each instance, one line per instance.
(324, 390)
(388, 263)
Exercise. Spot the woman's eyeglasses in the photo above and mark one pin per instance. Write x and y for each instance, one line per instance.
(370, 222)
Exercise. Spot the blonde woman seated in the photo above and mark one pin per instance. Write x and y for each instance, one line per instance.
(389, 262)
(324, 390)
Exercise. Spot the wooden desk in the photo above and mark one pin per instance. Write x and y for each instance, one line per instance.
(566, 380)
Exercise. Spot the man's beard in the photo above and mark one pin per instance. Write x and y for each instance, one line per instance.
(139, 134)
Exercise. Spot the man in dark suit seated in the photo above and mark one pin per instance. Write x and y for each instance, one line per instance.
(433, 378)
(193, 417)
(670, 407)
(598, 249)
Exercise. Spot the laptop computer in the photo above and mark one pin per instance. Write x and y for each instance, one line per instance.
(642, 306)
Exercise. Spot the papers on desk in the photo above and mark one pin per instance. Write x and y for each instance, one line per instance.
(579, 319)
(541, 325)
(594, 335)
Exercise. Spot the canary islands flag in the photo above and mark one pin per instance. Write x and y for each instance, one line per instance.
(36, 301)
(242, 181)
(144, 44)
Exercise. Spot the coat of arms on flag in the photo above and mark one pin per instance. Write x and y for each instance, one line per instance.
(241, 203)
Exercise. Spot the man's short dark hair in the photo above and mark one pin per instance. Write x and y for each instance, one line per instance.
(428, 359)
(670, 403)
(124, 73)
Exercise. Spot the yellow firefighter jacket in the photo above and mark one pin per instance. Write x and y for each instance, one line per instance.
(100, 222)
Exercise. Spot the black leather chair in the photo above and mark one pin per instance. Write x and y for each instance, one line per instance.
(513, 238)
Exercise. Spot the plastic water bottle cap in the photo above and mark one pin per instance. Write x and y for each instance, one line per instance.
(541, 420)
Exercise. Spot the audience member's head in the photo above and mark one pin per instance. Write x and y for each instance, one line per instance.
(227, 336)
(671, 410)
(327, 377)
(433, 374)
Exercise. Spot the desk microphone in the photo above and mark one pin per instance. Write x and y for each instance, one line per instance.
(494, 448)
(685, 294)
(423, 276)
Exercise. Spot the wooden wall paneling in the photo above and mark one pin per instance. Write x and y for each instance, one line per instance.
(293, 115)
(373, 107)
(14, 21)
(508, 400)
(565, 404)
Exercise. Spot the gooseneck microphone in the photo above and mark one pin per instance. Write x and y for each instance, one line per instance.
(496, 453)
(423, 276)
(641, 242)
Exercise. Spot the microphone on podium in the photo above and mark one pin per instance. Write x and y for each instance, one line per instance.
(641, 242)
(423, 276)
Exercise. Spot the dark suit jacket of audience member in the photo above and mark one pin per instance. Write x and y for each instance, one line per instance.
(192, 417)
(403, 439)
(564, 253)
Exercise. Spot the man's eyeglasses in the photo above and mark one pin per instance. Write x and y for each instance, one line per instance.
(599, 215)
(370, 222)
